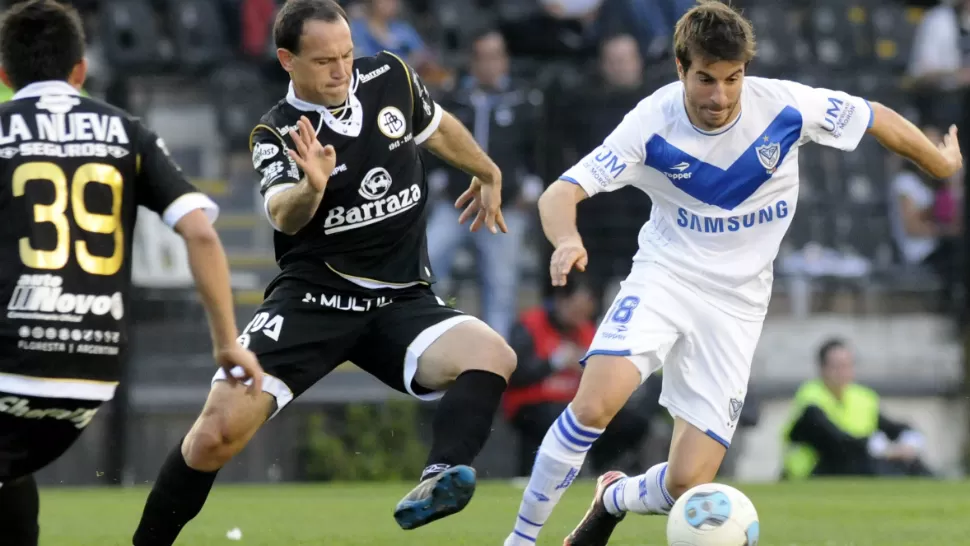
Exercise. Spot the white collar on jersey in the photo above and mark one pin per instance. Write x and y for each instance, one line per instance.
(51, 87)
(348, 126)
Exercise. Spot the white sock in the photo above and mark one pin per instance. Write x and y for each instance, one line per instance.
(643, 494)
(557, 464)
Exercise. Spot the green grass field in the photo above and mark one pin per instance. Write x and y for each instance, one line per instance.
(884, 513)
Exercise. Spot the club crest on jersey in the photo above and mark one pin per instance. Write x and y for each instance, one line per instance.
(376, 184)
(769, 154)
(734, 411)
(391, 122)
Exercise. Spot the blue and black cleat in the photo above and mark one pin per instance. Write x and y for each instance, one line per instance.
(436, 497)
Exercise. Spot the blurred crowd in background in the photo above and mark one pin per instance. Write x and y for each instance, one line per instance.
(540, 83)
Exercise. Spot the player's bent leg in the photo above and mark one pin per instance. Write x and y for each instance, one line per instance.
(228, 421)
(473, 363)
(19, 508)
(694, 459)
(604, 389)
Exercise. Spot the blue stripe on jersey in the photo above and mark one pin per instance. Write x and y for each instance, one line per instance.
(727, 188)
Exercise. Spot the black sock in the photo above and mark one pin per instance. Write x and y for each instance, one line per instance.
(19, 507)
(177, 497)
(463, 420)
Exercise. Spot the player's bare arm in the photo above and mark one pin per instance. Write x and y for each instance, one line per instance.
(210, 268)
(900, 136)
(453, 143)
(557, 211)
(293, 208)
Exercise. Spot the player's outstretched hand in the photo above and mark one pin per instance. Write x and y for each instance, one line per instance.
(950, 148)
(484, 205)
(241, 365)
(314, 159)
(567, 256)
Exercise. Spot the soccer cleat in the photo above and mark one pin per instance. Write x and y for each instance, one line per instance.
(598, 524)
(436, 497)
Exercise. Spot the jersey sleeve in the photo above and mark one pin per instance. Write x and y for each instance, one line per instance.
(425, 112)
(832, 118)
(613, 164)
(277, 170)
(162, 187)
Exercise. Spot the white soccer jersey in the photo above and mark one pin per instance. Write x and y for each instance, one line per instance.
(722, 201)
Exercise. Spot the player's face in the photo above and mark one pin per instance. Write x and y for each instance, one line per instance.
(490, 63)
(713, 91)
(321, 71)
(838, 371)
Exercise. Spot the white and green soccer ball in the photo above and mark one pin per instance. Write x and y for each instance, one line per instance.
(713, 514)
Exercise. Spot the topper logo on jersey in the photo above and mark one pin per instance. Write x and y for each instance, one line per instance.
(42, 297)
(391, 122)
(263, 151)
(374, 187)
(20, 407)
(708, 224)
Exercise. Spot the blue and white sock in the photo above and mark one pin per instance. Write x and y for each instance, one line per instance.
(557, 464)
(643, 494)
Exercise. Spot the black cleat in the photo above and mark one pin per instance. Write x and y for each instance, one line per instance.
(598, 524)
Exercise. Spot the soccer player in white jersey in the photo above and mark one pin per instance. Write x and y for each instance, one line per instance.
(718, 154)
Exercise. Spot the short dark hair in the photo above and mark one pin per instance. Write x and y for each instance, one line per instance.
(288, 27)
(826, 348)
(713, 31)
(40, 40)
(575, 281)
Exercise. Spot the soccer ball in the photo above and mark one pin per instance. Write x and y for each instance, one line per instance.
(713, 514)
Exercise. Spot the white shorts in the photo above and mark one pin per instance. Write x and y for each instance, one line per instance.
(706, 353)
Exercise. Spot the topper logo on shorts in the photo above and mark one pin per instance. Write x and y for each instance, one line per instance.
(20, 407)
(708, 224)
(42, 297)
(375, 187)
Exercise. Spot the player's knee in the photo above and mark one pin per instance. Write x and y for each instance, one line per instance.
(213, 441)
(502, 360)
(593, 412)
(496, 357)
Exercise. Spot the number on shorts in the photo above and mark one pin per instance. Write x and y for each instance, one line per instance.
(271, 327)
(624, 309)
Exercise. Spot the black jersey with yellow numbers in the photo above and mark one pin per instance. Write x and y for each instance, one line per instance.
(74, 171)
(370, 226)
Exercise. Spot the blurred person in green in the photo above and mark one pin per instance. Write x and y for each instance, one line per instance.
(838, 429)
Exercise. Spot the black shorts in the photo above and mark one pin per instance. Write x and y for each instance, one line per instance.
(301, 333)
(35, 431)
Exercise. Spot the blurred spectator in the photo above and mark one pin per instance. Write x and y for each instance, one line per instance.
(549, 341)
(926, 221)
(837, 428)
(501, 114)
(556, 29)
(382, 29)
(940, 62)
(576, 26)
(609, 223)
(650, 22)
